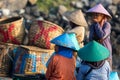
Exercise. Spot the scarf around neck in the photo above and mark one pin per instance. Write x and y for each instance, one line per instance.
(66, 52)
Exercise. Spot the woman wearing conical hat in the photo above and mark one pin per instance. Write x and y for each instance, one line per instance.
(62, 64)
(94, 65)
(100, 29)
(78, 23)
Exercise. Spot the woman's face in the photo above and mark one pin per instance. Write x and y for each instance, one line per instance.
(97, 17)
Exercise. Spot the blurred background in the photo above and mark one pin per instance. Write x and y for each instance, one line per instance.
(53, 10)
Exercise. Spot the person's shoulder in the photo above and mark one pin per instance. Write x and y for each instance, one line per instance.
(80, 27)
(84, 67)
(55, 57)
(77, 28)
(93, 24)
(106, 64)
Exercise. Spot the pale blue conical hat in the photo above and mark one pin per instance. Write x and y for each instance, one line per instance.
(67, 40)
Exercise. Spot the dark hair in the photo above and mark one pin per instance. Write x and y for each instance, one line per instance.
(72, 24)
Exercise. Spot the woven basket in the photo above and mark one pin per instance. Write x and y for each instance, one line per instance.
(41, 32)
(1, 19)
(29, 59)
(12, 30)
(5, 60)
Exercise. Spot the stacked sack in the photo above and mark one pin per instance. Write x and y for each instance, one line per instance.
(30, 58)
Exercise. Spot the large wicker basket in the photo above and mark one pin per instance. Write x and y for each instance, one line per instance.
(30, 59)
(41, 32)
(12, 30)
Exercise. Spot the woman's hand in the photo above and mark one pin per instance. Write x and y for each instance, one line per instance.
(103, 21)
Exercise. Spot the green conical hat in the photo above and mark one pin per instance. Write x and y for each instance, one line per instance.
(93, 52)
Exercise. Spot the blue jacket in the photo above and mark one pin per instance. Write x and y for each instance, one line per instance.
(96, 74)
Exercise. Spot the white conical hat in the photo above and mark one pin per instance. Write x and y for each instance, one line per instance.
(99, 9)
(76, 17)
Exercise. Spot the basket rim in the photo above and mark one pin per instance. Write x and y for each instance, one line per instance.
(31, 48)
(18, 18)
(51, 23)
(34, 48)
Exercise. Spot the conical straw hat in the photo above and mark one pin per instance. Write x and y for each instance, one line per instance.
(76, 17)
(93, 52)
(32, 1)
(67, 40)
(99, 9)
(62, 9)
